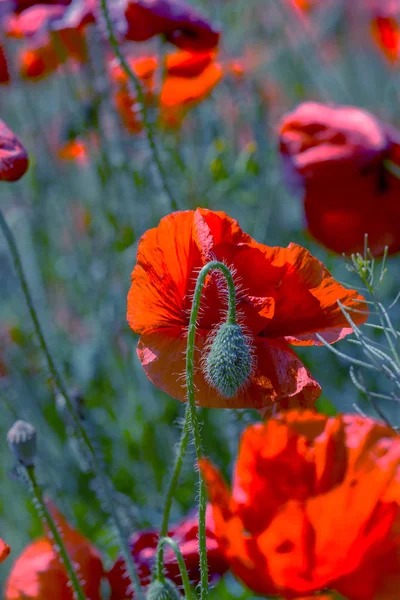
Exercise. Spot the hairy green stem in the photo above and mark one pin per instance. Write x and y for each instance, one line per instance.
(143, 106)
(194, 423)
(80, 430)
(181, 563)
(179, 458)
(59, 542)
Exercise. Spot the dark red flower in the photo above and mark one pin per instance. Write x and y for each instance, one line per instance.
(285, 296)
(143, 546)
(4, 72)
(4, 550)
(13, 156)
(342, 156)
(315, 505)
(180, 23)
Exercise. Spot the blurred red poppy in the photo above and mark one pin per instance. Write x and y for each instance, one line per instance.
(18, 6)
(188, 64)
(13, 156)
(76, 150)
(181, 24)
(143, 546)
(314, 506)
(38, 573)
(4, 550)
(285, 296)
(4, 72)
(32, 21)
(386, 33)
(342, 155)
(125, 97)
(180, 93)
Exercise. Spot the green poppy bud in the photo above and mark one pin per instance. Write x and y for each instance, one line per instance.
(229, 362)
(22, 442)
(163, 590)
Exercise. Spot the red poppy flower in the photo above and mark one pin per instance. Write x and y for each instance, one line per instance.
(188, 64)
(38, 573)
(32, 21)
(13, 156)
(386, 33)
(18, 6)
(124, 96)
(285, 296)
(314, 506)
(4, 72)
(143, 546)
(340, 154)
(4, 550)
(181, 24)
(76, 150)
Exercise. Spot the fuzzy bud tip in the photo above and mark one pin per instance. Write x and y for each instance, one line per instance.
(163, 590)
(22, 442)
(229, 362)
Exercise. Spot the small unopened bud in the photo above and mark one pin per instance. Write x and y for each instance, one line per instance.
(163, 590)
(229, 361)
(22, 442)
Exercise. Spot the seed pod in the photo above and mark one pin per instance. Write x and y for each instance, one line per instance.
(22, 442)
(229, 361)
(163, 590)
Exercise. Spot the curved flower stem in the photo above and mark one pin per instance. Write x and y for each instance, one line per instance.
(181, 563)
(80, 430)
(58, 541)
(179, 458)
(142, 102)
(192, 404)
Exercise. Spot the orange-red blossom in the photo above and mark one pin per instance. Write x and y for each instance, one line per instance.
(314, 506)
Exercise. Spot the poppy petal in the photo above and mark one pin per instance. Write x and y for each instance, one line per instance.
(13, 156)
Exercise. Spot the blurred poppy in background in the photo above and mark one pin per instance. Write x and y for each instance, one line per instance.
(13, 156)
(180, 23)
(285, 296)
(314, 506)
(4, 550)
(4, 72)
(38, 573)
(143, 546)
(342, 157)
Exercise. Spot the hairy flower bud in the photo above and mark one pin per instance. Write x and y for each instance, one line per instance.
(163, 590)
(229, 361)
(22, 442)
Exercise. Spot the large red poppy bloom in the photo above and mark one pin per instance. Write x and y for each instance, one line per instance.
(143, 546)
(180, 23)
(314, 505)
(341, 156)
(13, 156)
(284, 296)
(38, 573)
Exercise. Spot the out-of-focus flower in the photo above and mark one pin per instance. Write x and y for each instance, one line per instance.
(385, 27)
(143, 546)
(180, 23)
(13, 156)
(342, 156)
(38, 573)
(188, 64)
(30, 22)
(4, 550)
(179, 94)
(76, 150)
(314, 506)
(125, 97)
(285, 296)
(18, 6)
(4, 72)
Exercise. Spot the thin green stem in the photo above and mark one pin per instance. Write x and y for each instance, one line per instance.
(143, 105)
(187, 588)
(80, 430)
(58, 541)
(192, 403)
(179, 458)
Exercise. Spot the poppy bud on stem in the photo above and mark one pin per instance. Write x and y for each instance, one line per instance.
(191, 421)
(22, 441)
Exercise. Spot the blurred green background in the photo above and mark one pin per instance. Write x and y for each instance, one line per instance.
(78, 226)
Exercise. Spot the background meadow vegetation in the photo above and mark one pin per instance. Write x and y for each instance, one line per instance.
(78, 223)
